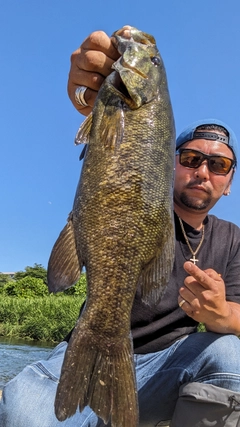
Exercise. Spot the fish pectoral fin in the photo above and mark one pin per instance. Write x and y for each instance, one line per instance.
(112, 127)
(156, 275)
(102, 378)
(64, 268)
(83, 133)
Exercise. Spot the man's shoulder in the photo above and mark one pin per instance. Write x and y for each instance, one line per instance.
(221, 224)
(223, 238)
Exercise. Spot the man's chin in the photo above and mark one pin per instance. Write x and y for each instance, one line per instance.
(195, 204)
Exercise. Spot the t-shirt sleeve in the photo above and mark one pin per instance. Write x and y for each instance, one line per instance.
(232, 278)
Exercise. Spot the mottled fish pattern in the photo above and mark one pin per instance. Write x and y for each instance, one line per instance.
(120, 229)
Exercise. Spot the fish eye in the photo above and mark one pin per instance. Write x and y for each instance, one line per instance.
(155, 60)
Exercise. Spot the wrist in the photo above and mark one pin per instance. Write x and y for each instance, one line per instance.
(223, 322)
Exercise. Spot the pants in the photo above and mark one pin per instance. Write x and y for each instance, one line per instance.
(207, 358)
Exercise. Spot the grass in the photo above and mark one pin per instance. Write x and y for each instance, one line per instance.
(43, 318)
(48, 318)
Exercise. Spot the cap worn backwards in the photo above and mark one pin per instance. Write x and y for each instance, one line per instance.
(189, 134)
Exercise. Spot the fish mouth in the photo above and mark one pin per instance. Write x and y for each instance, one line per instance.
(118, 85)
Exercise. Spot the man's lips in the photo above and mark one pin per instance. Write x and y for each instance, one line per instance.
(198, 187)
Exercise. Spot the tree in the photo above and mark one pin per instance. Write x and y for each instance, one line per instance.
(37, 271)
(4, 278)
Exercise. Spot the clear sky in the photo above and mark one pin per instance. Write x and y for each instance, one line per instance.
(39, 166)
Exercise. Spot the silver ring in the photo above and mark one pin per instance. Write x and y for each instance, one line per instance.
(79, 96)
(181, 303)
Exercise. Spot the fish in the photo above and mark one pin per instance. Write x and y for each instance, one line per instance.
(120, 230)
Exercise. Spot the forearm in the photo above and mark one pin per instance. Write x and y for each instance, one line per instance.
(229, 323)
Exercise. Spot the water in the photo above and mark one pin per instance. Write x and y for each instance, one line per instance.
(16, 354)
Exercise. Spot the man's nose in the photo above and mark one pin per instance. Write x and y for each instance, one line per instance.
(202, 171)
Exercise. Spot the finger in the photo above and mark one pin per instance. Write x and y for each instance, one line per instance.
(100, 41)
(213, 274)
(89, 96)
(96, 55)
(94, 61)
(189, 296)
(205, 278)
(82, 77)
(88, 70)
(90, 64)
(181, 301)
(79, 77)
(185, 306)
(91, 82)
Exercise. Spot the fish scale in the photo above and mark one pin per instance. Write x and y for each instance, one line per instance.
(120, 229)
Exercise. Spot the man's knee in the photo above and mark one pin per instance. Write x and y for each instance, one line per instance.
(223, 354)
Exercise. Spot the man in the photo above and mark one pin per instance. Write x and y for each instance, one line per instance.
(190, 378)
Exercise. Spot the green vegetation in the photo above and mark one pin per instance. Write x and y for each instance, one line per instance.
(37, 271)
(28, 311)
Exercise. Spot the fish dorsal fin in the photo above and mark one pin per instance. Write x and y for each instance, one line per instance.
(64, 268)
(156, 275)
(83, 133)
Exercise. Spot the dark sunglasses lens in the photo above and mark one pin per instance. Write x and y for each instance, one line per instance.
(220, 165)
(190, 159)
(217, 164)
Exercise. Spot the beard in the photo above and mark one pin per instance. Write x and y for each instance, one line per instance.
(194, 203)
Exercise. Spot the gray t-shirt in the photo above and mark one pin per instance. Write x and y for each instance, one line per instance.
(157, 327)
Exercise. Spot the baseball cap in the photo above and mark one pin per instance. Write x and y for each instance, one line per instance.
(188, 134)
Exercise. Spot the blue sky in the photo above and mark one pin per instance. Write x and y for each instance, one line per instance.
(199, 42)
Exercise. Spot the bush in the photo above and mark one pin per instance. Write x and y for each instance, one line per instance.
(28, 287)
(44, 318)
(79, 289)
(32, 287)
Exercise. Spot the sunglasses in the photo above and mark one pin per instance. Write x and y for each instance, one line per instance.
(219, 165)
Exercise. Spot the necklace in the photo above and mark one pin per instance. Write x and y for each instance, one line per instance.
(194, 253)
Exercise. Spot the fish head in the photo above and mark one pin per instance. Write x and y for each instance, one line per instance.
(139, 72)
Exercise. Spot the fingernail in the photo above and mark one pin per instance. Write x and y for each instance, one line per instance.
(189, 265)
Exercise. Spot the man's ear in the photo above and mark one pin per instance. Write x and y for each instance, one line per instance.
(227, 190)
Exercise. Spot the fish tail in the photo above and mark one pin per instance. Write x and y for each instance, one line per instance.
(102, 378)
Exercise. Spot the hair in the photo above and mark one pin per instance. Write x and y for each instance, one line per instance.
(213, 127)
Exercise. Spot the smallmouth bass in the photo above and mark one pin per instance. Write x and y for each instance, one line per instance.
(120, 229)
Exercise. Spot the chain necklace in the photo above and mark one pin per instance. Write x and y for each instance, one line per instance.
(194, 253)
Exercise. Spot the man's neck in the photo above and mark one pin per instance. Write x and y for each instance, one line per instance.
(191, 218)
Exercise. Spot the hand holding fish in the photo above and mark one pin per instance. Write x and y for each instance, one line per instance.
(90, 64)
(205, 298)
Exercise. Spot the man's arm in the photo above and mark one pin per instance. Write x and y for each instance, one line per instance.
(205, 301)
